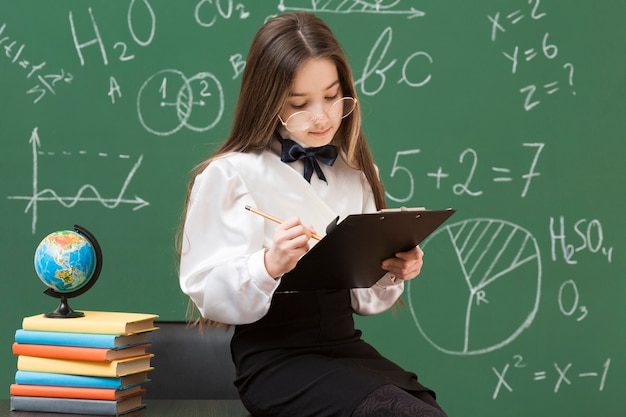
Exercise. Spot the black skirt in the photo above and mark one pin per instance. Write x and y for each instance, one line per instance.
(305, 358)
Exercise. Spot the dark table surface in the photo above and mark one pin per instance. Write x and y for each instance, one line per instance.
(157, 408)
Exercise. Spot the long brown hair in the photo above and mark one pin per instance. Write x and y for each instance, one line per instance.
(278, 50)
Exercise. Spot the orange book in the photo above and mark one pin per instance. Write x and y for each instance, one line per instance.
(73, 392)
(76, 352)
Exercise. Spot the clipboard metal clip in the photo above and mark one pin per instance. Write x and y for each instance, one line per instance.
(331, 226)
(402, 209)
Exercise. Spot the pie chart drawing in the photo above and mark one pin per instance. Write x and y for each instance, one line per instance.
(479, 288)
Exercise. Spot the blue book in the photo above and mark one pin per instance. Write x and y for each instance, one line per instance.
(94, 340)
(70, 380)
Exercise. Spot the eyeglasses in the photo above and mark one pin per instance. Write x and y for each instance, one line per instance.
(302, 120)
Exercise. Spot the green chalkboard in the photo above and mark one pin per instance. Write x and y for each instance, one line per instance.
(512, 112)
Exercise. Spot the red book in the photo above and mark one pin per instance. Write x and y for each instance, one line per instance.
(77, 352)
(21, 390)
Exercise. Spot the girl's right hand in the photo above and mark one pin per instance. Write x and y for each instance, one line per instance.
(291, 241)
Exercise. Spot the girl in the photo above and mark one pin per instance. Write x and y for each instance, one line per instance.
(296, 150)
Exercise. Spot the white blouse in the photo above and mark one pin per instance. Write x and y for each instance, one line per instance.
(222, 263)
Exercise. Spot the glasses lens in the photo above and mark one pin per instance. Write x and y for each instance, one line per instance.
(302, 120)
(342, 108)
(299, 121)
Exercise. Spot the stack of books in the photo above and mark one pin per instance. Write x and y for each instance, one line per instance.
(96, 364)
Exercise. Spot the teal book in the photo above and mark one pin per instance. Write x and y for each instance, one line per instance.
(94, 340)
(69, 380)
(76, 406)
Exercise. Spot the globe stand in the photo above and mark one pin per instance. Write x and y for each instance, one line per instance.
(63, 311)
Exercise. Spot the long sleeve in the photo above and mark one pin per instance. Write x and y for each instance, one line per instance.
(222, 267)
(378, 298)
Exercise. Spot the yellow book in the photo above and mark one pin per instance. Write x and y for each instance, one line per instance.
(103, 322)
(117, 368)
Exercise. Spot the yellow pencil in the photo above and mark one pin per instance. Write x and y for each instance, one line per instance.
(275, 219)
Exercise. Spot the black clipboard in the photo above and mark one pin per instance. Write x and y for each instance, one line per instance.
(350, 254)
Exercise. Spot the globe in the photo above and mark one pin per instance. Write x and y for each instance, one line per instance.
(65, 261)
(68, 263)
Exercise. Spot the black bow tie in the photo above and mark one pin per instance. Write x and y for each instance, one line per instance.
(325, 154)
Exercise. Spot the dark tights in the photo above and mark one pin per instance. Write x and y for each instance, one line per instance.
(390, 400)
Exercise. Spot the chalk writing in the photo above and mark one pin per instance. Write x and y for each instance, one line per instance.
(83, 41)
(502, 110)
(574, 306)
(49, 194)
(562, 375)
(549, 50)
(377, 70)
(349, 7)
(493, 259)
(531, 93)
(133, 9)
(46, 81)
(238, 63)
(468, 158)
(590, 237)
(136, 10)
(205, 11)
(114, 89)
(172, 97)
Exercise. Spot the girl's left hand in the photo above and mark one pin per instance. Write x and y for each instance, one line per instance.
(406, 265)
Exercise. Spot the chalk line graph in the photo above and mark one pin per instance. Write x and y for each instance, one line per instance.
(85, 193)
